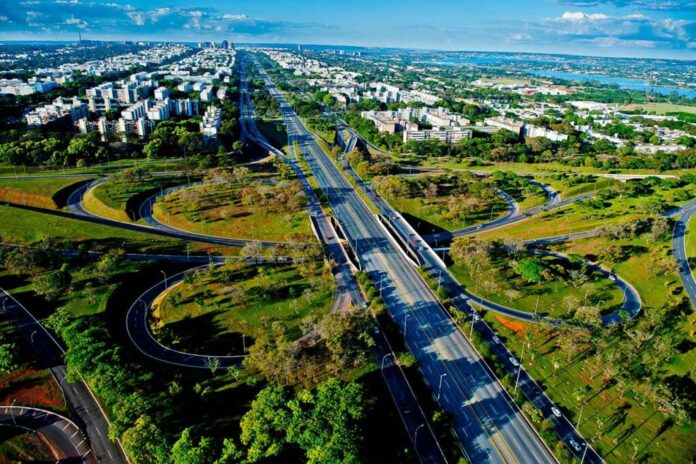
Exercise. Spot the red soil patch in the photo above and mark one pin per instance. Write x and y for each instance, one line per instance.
(31, 387)
(516, 326)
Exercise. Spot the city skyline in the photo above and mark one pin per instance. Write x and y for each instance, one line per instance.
(645, 28)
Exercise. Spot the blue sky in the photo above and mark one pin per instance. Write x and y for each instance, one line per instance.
(641, 28)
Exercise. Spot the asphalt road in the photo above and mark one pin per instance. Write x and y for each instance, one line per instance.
(487, 424)
(64, 438)
(462, 300)
(88, 412)
(414, 419)
(685, 214)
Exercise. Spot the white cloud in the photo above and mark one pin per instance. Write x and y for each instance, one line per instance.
(235, 17)
(72, 21)
(613, 42)
(578, 16)
(519, 37)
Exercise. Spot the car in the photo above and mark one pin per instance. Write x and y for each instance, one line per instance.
(496, 340)
(575, 445)
(476, 317)
(556, 412)
(612, 277)
(514, 361)
(376, 330)
(478, 227)
(395, 218)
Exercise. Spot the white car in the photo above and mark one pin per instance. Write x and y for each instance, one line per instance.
(612, 277)
(514, 361)
(575, 445)
(556, 412)
(496, 340)
(476, 317)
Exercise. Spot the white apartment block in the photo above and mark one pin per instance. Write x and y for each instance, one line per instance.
(210, 124)
(60, 108)
(448, 136)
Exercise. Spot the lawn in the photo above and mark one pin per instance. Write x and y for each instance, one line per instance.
(27, 227)
(219, 210)
(588, 215)
(660, 107)
(121, 200)
(41, 192)
(18, 446)
(615, 422)
(548, 298)
(208, 312)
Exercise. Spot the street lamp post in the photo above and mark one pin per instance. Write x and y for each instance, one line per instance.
(384, 358)
(584, 453)
(582, 406)
(415, 435)
(31, 337)
(519, 368)
(405, 326)
(14, 421)
(4, 301)
(165, 279)
(439, 387)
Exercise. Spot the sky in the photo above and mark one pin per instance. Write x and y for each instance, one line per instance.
(631, 28)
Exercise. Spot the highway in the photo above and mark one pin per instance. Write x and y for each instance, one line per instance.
(487, 423)
(91, 417)
(462, 300)
(414, 419)
(63, 437)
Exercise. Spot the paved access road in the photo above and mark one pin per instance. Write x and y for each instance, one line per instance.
(684, 215)
(91, 418)
(64, 438)
(487, 424)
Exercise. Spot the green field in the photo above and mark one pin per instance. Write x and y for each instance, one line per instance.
(660, 107)
(588, 215)
(549, 298)
(41, 192)
(209, 312)
(219, 210)
(617, 423)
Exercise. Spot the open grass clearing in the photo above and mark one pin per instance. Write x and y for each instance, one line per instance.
(274, 131)
(556, 298)
(209, 311)
(41, 192)
(222, 210)
(660, 107)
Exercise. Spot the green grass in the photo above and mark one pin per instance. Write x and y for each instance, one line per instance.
(19, 446)
(579, 217)
(660, 107)
(203, 314)
(428, 215)
(624, 419)
(505, 287)
(219, 210)
(41, 192)
(101, 169)
(26, 227)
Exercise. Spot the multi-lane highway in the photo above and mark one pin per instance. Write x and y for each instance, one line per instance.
(487, 423)
(78, 396)
(684, 215)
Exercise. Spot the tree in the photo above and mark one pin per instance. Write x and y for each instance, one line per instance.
(8, 357)
(154, 148)
(264, 425)
(230, 454)
(108, 263)
(52, 285)
(530, 269)
(324, 423)
(186, 451)
(145, 443)
(347, 336)
(252, 250)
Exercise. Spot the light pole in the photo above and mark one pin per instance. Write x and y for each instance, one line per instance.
(439, 275)
(584, 453)
(165, 279)
(4, 301)
(405, 326)
(14, 421)
(439, 387)
(519, 368)
(415, 435)
(384, 358)
(31, 337)
(582, 406)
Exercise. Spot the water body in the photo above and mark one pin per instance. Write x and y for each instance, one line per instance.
(628, 84)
